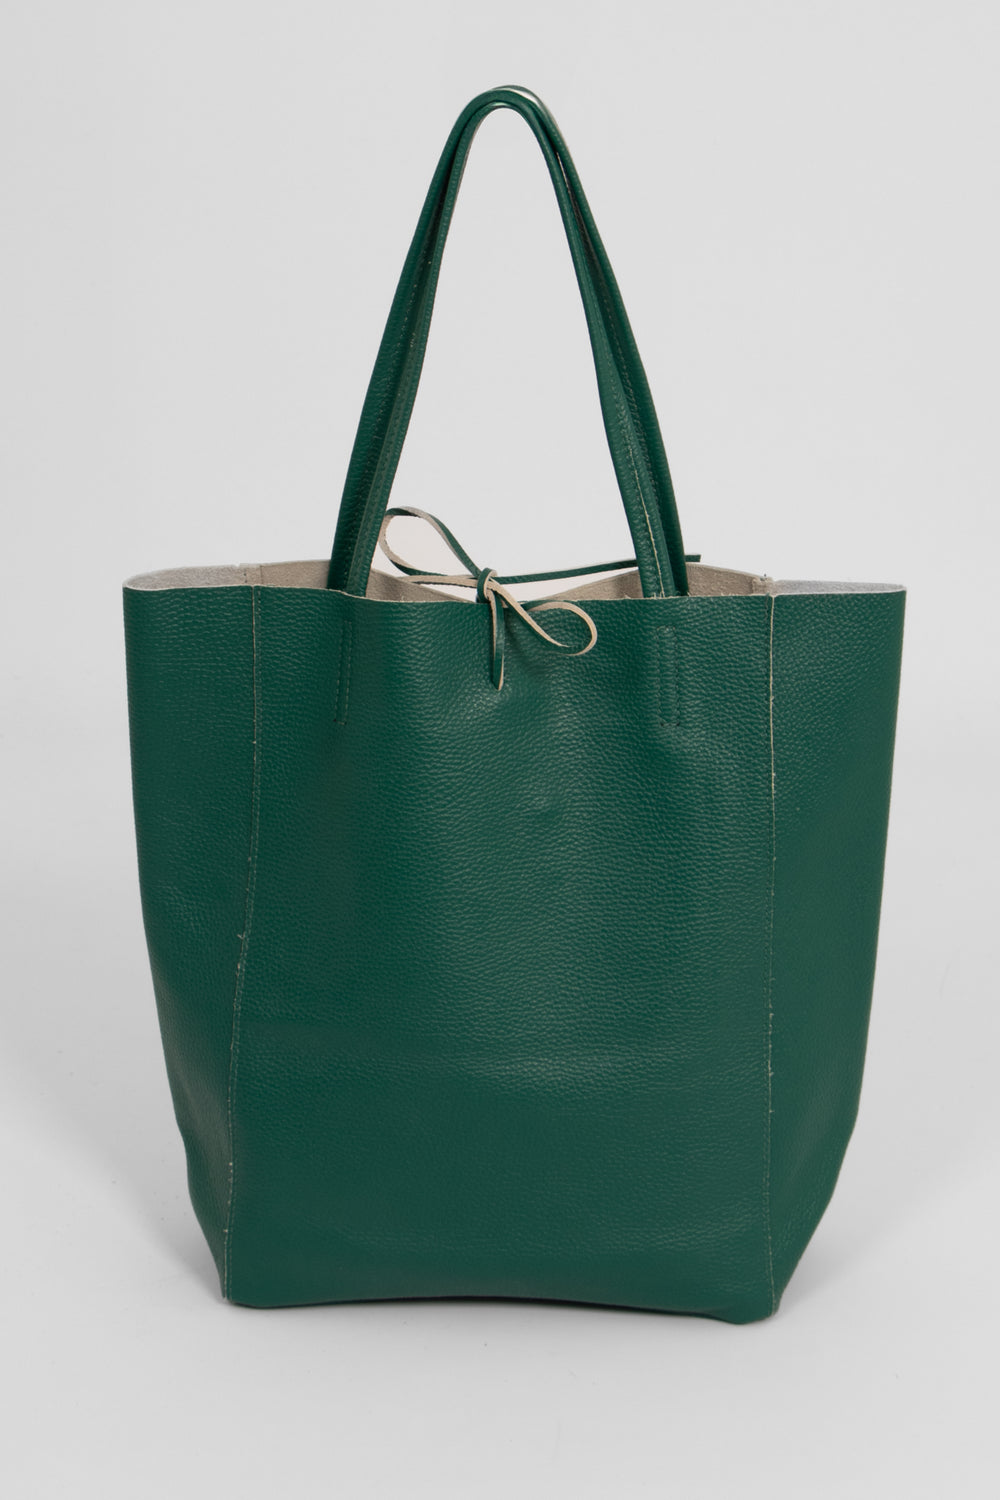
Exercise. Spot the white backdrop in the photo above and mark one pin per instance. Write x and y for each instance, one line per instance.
(205, 206)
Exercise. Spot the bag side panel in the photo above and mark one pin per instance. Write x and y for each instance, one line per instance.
(189, 657)
(836, 662)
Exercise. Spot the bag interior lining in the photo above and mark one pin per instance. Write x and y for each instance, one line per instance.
(703, 579)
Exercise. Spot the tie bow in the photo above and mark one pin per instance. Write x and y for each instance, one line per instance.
(493, 590)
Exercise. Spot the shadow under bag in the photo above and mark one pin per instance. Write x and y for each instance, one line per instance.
(511, 943)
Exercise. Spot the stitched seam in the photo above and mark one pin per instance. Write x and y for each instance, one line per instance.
(769, 1012)
(344, 673)
(645, 512)
(623, 419)
(642, 501)
(625, 409)
(227, 1260)
(669, 706)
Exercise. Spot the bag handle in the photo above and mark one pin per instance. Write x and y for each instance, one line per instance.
(630, 421)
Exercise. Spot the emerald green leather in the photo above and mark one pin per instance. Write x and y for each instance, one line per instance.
(558, 989)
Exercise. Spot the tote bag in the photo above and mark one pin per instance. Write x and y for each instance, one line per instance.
(511, 941)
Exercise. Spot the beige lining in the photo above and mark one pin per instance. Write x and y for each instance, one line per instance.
(393, 588)
(704, 581)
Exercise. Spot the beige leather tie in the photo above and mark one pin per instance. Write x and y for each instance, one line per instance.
(493, 590)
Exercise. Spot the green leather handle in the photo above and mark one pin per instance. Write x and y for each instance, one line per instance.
(630, 420)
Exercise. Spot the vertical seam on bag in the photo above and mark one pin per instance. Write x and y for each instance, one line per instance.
(769, 1012)
(669, 705)
(343, 674)
(227, 1262)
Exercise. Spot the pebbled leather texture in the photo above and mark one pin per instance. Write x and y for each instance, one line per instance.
(559, 990)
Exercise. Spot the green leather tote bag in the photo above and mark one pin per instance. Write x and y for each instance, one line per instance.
(510, 940)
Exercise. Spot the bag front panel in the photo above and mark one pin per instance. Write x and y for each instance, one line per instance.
(503, 1027)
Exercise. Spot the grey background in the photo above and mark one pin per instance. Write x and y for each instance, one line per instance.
(204, 210)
